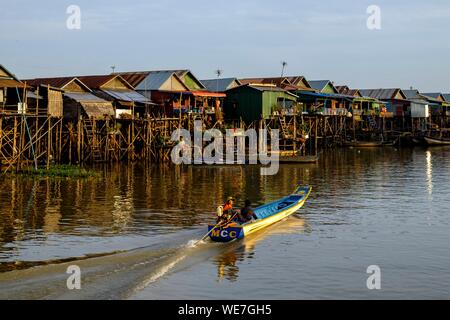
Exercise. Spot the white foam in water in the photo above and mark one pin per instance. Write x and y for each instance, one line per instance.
(191, 243)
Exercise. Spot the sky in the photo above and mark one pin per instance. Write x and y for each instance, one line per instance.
(243, 38)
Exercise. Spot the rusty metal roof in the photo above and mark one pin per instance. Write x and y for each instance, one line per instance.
(134, 78)
(291, 83)
(96, 81)
(58, 82)
(347, 91)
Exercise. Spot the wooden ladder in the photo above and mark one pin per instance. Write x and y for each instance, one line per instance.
(89, 127)
(284, 128)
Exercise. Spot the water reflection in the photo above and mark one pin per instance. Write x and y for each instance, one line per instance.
(227, 262)
(429, 172)
(148, 200)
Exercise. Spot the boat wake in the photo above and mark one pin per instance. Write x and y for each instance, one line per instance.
(116, 275)
(122, 275)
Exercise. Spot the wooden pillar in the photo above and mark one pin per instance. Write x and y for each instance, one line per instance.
(1, 139)
(49, 141)
(15, 138)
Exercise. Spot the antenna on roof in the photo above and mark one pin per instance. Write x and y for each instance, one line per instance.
(218, 74)
(284, 65)
(113, 68)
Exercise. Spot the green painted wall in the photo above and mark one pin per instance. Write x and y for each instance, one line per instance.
(252, 104)
(190, 82)
(328, 89)
(270, 101)
(248, 104)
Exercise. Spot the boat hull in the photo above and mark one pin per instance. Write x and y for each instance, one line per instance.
(363, 144)
(281, 209)
(437, 142)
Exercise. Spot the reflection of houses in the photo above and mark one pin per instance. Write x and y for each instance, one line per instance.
(127, 102)
(175, 91)
(257, 101)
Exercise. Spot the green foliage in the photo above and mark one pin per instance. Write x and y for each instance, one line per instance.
(63, 171)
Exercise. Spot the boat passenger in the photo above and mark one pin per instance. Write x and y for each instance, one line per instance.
(227, 212)
(247, 213)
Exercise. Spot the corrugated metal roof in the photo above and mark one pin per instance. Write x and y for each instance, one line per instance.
(347, 91)
(446, 96)
(58, 82)
(127, 95)
(134, 78)
(96, 81)
(319, 84)
(434, 95)
(412, 94)
(381, 94)
(291, 83)
(31, 94)
(263, 88)
(83, 97)
(148, 80)
(219, 85)
(152, 80)
(270, 80)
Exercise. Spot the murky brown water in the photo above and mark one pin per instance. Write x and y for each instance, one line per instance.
(382, 207)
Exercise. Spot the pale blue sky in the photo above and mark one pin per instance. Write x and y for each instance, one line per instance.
(245, 38)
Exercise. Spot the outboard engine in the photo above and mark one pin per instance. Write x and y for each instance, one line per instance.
(219, 211)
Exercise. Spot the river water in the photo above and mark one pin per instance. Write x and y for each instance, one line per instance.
(133, 231)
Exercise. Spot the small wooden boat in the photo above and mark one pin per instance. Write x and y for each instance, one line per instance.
(363, 144)
(267, 214)
(437, 141)
(299, 159)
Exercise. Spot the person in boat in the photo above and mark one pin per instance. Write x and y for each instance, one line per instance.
(228, 213)
(247, 213)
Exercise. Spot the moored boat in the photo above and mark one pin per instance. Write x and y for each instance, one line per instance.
(437, 141)
(363, 144)
(299, 159)
(267, 214)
